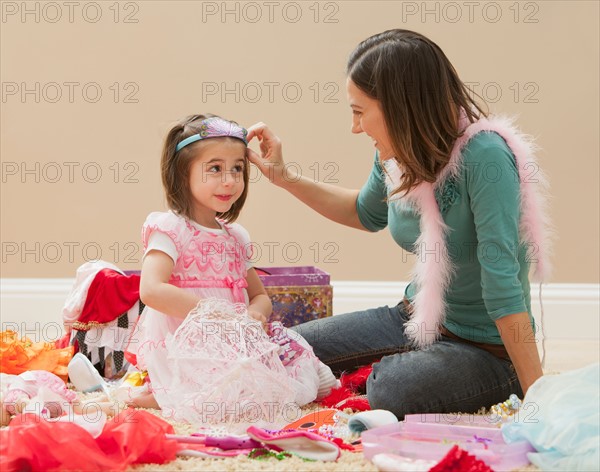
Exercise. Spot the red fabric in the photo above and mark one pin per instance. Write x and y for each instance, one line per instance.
(132, 437)
(343, 397)
(138, 437)
(357, 403)
(347, 395)
(358, 379)
(110, 295)
(131, 357)
(459, 460)
(63, 342)
(336, 396)
(343, 445)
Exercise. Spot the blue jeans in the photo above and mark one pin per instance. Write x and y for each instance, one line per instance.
(449, 376)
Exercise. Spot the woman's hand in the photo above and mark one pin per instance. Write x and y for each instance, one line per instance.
(270, 162)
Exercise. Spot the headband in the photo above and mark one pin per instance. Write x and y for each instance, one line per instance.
(215, 128)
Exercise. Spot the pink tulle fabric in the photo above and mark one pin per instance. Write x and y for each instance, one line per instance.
(225, 370)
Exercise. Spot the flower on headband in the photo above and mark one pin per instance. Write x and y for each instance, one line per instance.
(215, 128)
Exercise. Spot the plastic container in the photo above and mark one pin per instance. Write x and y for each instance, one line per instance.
(430, 437)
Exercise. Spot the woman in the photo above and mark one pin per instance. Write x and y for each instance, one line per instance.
(454, 187)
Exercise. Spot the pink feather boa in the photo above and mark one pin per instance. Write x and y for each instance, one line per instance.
(433, 269)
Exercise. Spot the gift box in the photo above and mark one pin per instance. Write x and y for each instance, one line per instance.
(298, 294)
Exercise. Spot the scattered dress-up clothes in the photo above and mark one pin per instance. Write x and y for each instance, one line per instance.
(560, 417)
(18, 355)
(100, 312)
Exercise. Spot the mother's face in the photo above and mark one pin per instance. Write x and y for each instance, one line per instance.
(367, 117)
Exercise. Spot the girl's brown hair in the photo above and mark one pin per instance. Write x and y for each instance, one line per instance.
(175, 169)
(421, 97)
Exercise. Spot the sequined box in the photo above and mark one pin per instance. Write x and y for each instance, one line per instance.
(298, 294)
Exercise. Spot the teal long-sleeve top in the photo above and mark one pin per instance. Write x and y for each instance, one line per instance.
(481, 208)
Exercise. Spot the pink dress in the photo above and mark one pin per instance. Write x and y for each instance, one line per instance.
(213, 264)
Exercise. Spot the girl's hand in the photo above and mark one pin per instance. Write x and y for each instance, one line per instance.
(258, 316)
(270, 162)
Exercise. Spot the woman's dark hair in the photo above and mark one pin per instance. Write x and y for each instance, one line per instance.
(421, 96)
(175, 169)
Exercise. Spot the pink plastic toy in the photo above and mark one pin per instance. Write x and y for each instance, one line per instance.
(430, 437)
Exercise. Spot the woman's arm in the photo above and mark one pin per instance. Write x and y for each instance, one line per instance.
(519, 340)
(260, 307)
(335, 203)
(495, 203)
(157, 293)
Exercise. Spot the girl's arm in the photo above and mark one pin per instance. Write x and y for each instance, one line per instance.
(260, 307)
(519, 340)
(157, 293)
(335, 203)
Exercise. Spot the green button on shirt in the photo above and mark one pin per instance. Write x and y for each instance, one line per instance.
(481, 209)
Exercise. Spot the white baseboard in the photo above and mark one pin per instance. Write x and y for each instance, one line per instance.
(33, 308)
(571, 311)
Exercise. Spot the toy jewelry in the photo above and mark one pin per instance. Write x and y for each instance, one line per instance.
(506, 409)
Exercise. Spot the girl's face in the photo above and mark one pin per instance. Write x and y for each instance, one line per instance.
(216, 178)
(367, 117)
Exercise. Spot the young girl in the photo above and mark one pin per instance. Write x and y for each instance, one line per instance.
(196, 257)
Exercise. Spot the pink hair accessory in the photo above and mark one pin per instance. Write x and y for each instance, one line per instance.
(215, 127)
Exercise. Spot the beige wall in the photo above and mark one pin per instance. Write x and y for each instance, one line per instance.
(156, 61)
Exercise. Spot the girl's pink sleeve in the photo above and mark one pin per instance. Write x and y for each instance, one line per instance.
(165, 222)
